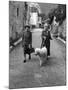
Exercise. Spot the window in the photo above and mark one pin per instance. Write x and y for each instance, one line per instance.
(17, 11)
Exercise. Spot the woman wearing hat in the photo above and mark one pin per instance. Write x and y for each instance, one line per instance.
(27, 41)
(46, 37)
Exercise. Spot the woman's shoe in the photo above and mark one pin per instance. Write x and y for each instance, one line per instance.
(47, 58)
(24, 61)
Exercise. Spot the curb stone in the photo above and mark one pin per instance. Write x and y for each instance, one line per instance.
(61, 40)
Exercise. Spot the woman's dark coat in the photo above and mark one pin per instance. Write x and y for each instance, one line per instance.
(27, 41)
(46, 40)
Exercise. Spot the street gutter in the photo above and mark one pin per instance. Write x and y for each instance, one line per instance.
(61, 40)
(17, 42)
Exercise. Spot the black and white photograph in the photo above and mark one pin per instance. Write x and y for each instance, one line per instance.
(37, 44)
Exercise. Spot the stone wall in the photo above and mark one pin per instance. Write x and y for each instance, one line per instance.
(59, 30)
(15, 18)
(62, 30)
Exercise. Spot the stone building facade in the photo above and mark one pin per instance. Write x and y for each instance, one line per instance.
(15, 18)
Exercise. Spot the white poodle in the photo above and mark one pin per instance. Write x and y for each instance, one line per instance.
(42, 53)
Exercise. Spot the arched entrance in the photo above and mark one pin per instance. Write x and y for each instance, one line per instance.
(33, 14)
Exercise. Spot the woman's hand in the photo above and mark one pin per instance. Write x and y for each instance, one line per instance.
(44, 37)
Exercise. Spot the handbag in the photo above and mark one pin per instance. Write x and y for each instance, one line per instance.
(29, 49)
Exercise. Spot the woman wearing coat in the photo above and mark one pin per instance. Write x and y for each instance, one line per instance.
(27, 42)
(46, 37)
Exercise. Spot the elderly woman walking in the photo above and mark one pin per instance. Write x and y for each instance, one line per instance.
(46, 37)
